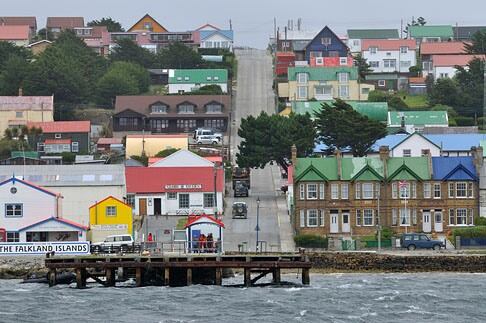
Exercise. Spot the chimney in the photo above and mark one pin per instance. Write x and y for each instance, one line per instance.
(477, 154)
(294, 156)
(384, 155)
(339, 156)
(20, 91)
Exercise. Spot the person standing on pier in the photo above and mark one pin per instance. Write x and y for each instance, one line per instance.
(210, 243)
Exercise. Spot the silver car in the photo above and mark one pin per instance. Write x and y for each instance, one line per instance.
(208, 140)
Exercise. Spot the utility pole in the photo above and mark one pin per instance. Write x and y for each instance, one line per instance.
(379, 216)
(231, 25)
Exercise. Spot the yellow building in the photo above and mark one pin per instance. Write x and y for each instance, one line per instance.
(109, 216)
(17, 111)
(147, 23)
(152, 144)
(324, 83)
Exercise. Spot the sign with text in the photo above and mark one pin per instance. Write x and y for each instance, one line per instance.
(41, 248)
(183, 187)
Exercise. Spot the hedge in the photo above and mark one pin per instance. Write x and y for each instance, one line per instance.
(470, 232)
(310, 241)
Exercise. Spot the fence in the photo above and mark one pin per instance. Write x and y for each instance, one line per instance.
(160, 248)
(473, 242)
(374, 243)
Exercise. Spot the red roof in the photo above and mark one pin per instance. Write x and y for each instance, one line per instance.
(452, 60)
(442, 48)
(157, 179)
(213, 159)
(62, 126)
(193, 219)
(387, 44)
(57, 141)
(416, 80)
(14, 32)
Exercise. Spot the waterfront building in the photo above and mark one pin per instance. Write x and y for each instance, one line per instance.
(108, 217)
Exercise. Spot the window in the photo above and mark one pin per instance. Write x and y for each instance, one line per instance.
(214, 123)
(461, 217)
(321, 218)
(326, 41)
(414, 216)
(334, 191)
(208, 78)
(312, 218)
(302, 191)
(343, 61)
(373, 50)
(172, 196)
(19, 114)
(404, 217)
(427, 66)
(407, 153)
(471, 217)
(425, 152)
(159, 108)
(302, 78)
(344, 191)
(367, 190)
(130, 122)
(461, 190)
(312, 191)
(374, 64)
(357, 188)
(75, 146)
(214, 108)
(452, 218)
(57, 136)
(185, 108)
(414, 190)
(358, 218)
(437, 191)
(368, 217)
(343, 77)
(183, 201)
(343, 91)
(355, 42)
(131, 200)
(389, 63)
(147, 25)
(302, 92)
(403, 49)
(427, 190)
(158, 125)
(381, 83)
(470, 190)
(208, 199)
(285, 44)
(323, 90)
(321, 191)
(394, 217)
(365, 90)
(110, 211)
(13, 210)
(13, 237)
(404, 190)
(186, 124)
(451, 190)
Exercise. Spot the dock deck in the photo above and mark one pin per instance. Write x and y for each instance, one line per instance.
(177, 270)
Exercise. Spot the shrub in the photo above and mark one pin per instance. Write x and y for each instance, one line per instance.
(386, 233)
(470, 232)
(68, 157)
(310, 241)
(166, 152)
(464, 121)
(480, 221)
(377, 96)
(397, 103)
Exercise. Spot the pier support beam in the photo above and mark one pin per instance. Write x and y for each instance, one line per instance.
(81, 277)
(305, 276)
(139, 276)
(189, 273)
(218, 278)
(276, 275)
(110, 277)
(52, 277)
(247, 277)
(166, 276)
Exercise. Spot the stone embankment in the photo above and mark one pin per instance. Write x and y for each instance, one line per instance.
(362, 262)
(21, 267)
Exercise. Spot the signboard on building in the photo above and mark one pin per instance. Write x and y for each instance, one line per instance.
(183, 187)
(110, 227)
(41, 248)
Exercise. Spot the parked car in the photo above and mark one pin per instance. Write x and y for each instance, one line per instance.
(207, 132)
(120, 242)
(240, 210)
(412, 241)
(208, 140)
(241, 189)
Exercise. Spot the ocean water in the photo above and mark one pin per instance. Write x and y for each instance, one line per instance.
(427, 297)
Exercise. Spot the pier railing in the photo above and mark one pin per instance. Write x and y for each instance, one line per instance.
(161, 248)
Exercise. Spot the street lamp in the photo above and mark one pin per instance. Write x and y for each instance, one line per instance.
(257, 228)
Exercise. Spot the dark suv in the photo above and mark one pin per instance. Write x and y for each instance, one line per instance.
(412, 241)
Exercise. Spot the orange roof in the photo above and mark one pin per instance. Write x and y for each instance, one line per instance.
(453, 47)
(453, 60)
(387, 44)
(110, 197)
(14, 32)
(62, 126)
(416, 80)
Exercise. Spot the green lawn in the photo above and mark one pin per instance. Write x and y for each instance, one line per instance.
(416, 101)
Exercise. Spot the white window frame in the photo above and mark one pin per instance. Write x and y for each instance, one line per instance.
(374, 64)
(322, 191)
(302, 218)
(394, 217)
(427, 190)
(463, 216)
(343, 77)
(470, 190)
(373, 50)
(343, 61)
(403, 49)
(302, 191)
(357, 190)
(451, 188)
(302, 92)
(437, 185)
(394, 190)
(359, 219)
(368, 214)
(344, 191)
(75, 146)
(322, 217)
(381, 83)
(17, 210)
(387, 63)
(404, 214)
(366, 189)
(464, 190)
(312, 215)
(110, 210)
(313, 191)
(407, 152)
(344, 91)
(302, 78)
(334, 191)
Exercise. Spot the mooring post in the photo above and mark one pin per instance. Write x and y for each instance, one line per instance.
(52, 277)
(139, 276)
(189, 273)
(166, 272)
(218, 278)
(248, 274)
(276, 275)
(110, 277)
(81, 277)
(305, 276)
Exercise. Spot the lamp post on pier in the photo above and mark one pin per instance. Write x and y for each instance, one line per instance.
(257, 228)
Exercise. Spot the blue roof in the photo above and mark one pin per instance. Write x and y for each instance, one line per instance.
(457, 142)
(204, 34)
(453, 168)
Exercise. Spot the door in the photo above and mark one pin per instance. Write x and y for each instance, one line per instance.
(334, 223)
(346, 226)
(142, 206)
(426, 226)
(157, 206)
(438, 221)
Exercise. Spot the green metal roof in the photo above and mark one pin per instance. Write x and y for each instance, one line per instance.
(322, 73)
(362, 168)
(215, 76)
(27, 154)
(316, 169)
(418, 118)
(483, 144)
(443, 31)
(373, 110)
(408, 168)
(373, 34)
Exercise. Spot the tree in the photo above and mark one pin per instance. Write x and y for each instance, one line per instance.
(477, 44)
(11, 78)
(419, 22)
(445, 92)
(118, 80)
(339, 126)
(109, 23)
(127, 50)
(377, 96)
(8, 50)
(209, 89)
(178, 55)
(268, 138)
(44, 34)
(363, 66)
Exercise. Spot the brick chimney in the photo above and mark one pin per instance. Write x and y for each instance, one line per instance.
(20, 91)
(294, 156)
(339, 161)
(477, 154)
(384, 155)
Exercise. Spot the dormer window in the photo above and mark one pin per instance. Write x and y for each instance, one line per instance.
(158, 108)
(216, 78)
(326, 41)
(186, 78)
(185, 108)
(214, 108)
(302, 78)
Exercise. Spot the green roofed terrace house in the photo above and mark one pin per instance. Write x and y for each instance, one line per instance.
(190, 80)
(356, 36)
(430, 33)
(323, 83)
(377, 111)
(342, 197)
(416, 121)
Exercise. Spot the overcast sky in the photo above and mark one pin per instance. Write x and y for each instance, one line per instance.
(253, 19)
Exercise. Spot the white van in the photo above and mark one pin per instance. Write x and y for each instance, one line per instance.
(206, 132)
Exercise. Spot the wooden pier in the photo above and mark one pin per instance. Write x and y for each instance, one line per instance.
(180, 270)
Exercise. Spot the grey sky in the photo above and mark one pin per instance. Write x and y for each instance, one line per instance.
(253, 19)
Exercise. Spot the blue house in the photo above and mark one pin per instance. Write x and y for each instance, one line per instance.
(326, 44)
